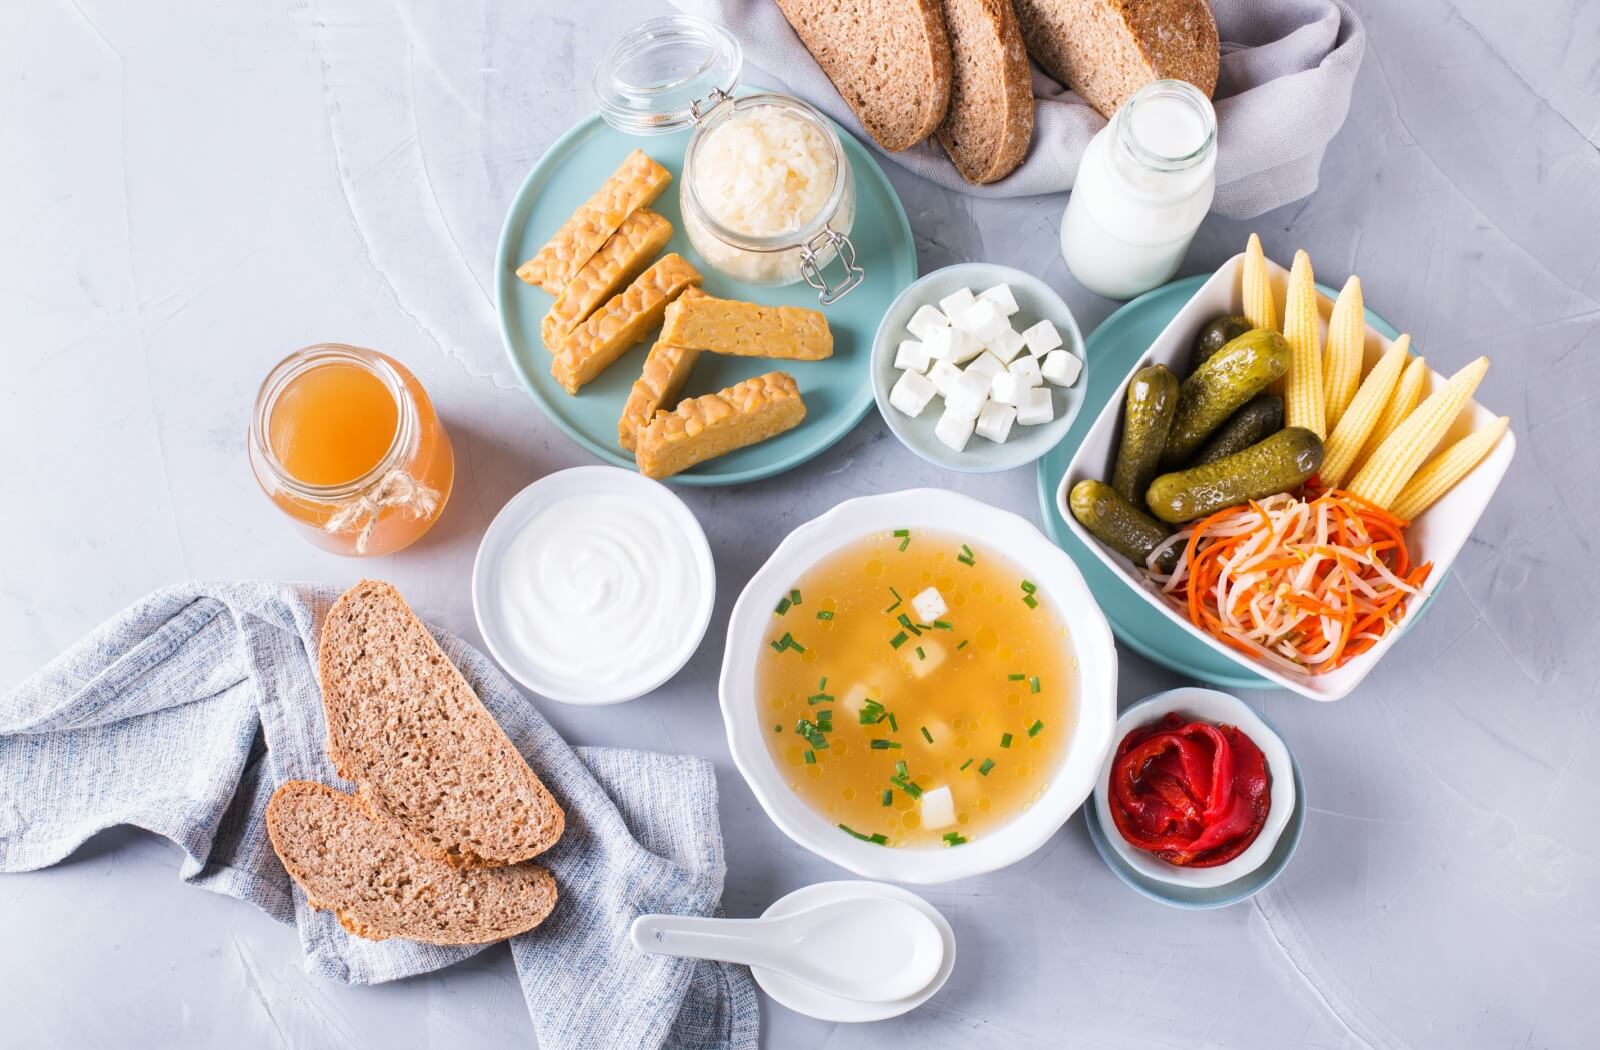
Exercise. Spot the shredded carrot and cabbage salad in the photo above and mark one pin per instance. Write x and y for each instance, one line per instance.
(1303, 584)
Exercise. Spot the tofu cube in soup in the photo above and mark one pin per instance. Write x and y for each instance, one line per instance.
(922, 655)
(938, 808)
(929, 605)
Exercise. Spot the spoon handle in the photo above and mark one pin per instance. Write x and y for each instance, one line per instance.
(693, 937)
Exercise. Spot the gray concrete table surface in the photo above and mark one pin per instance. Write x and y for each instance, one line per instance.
(191, 190)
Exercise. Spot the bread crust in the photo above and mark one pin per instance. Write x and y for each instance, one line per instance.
(987, 143)
(897, 115)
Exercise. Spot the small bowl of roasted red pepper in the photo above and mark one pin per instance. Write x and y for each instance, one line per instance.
(1198, 790)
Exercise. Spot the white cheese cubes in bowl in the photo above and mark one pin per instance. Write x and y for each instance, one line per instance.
(978, 367)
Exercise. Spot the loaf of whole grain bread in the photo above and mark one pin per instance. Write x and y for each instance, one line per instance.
(363, 869)
(1105, 50)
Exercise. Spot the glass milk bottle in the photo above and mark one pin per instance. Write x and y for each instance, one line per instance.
(1145, 182)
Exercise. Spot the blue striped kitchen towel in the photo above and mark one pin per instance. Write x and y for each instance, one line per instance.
(182, 715)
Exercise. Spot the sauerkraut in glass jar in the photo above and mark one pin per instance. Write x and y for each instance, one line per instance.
(767, 193)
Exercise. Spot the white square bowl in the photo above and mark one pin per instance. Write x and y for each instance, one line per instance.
(1436, 536)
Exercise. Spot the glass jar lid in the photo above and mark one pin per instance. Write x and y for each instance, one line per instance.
(663, 74)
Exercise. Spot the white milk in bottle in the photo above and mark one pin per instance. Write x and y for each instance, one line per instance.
(1146, 181)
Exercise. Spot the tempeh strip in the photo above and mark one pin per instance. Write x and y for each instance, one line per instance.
(622, 258)
(622, 322)
(726, 326)
(714, 424)
(666, 369)
(635, 184)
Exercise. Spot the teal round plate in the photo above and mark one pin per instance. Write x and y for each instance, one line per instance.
(837, 391)
(1111, 351)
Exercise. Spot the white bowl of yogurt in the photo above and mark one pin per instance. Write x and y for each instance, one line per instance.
(593, 585)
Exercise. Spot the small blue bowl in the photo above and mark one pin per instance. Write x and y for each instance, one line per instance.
(1240, 889)
(1036, 301)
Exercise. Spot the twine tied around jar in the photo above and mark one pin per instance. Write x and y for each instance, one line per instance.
(396, 489)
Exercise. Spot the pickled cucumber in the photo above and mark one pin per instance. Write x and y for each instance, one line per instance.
(1276, 464)
(1259, 418)
(1146, 418)
(1120, 524)
(1217, 333)
(1234, 375)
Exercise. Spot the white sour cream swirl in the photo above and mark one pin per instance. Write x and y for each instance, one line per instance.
(598, 589)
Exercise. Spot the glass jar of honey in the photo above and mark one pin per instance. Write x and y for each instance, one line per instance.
(345, 441)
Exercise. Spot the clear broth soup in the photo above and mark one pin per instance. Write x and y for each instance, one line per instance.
(905, 723)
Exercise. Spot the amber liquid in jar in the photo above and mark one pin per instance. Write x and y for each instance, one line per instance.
(346, 442)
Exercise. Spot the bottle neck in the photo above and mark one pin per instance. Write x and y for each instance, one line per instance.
(1164, 139)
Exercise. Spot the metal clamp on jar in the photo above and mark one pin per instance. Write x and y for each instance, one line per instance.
(767, 193)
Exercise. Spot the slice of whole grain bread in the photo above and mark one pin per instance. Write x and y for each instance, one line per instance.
(890, 60)
(990, 120)
(422, 749)
(1105, 50)
(363, 869)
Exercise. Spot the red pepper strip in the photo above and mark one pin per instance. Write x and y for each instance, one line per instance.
(1192, 793)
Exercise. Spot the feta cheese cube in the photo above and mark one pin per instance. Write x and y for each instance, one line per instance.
(922, 655)
(984, 320)
(911, 393)
(938, 808)
(1007, 388)
(1006, 346)
(954, 429)
(1027, 369)
(944, 376)
(956, 303)
(927, 319)
(1001, 296)
(994, 422)
(953, 345)
(1061, 367)
(1038, 406)
(986, 365)
(967, 396)
(929, 605)
(912, 356)
(1041, 338)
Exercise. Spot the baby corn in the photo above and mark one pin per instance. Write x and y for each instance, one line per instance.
(1441, 473)
(1347, 338)
(1259, 305)
(1305, 399)
(1350, 435)
(1407, 395)
(1398, 458)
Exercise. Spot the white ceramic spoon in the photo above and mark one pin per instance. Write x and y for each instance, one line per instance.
(866, 949)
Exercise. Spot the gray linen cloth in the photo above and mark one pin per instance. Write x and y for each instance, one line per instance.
(1287, 70)
(182, 714)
